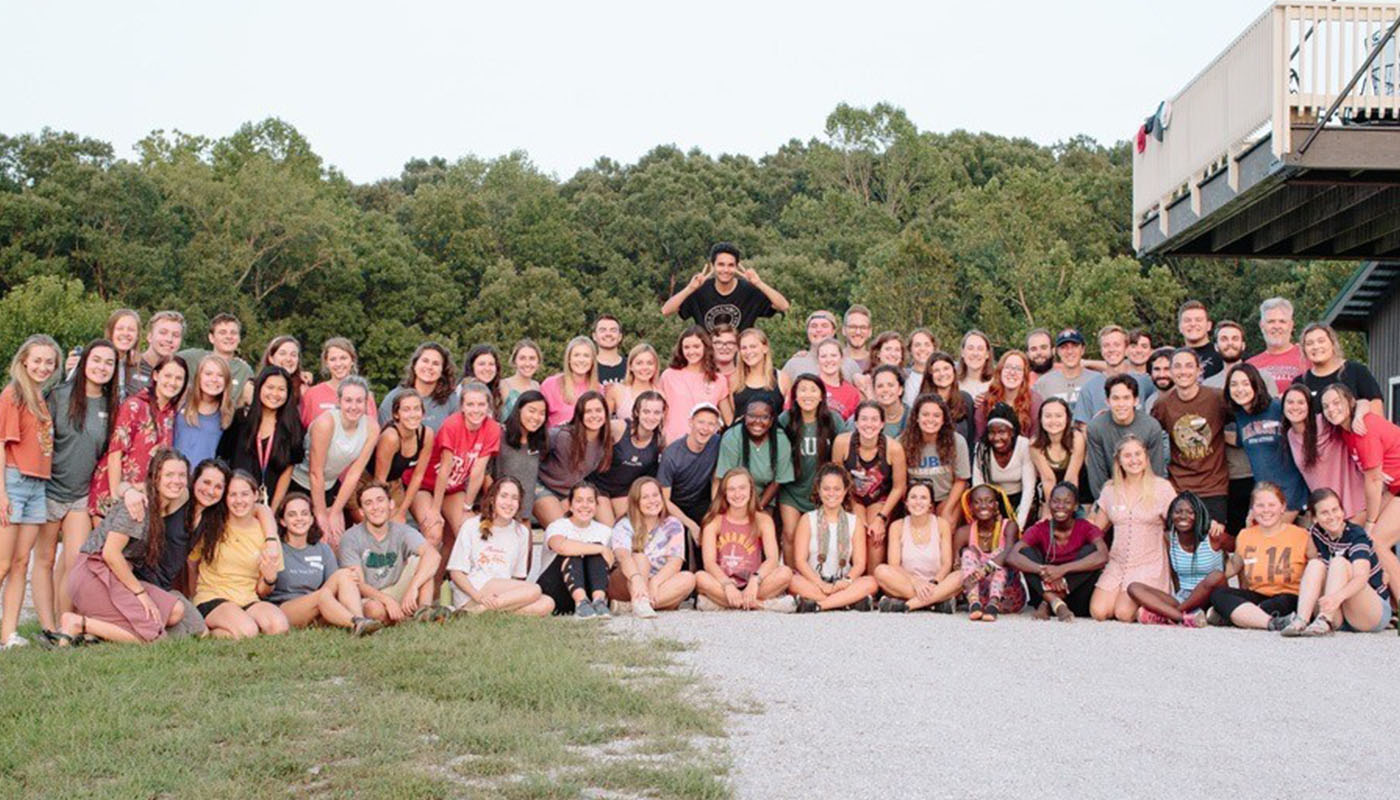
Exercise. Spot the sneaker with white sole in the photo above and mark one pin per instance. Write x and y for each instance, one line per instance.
(621, 607)
(642, 609)
(703, 603)
(14, 641)
(1321, 626)
(1279, 623)
(781, 605)
(600, 609)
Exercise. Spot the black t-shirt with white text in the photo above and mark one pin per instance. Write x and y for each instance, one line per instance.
(741, 308)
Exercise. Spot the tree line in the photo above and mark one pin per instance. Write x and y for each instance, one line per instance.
(949, 231)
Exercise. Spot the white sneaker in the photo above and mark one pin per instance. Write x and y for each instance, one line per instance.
(703, 603)
(14, 641)
(621, 607)
(786, 604)
(642, 608)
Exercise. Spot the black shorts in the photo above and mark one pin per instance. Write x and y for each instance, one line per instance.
(209, 605)
(1228, 598)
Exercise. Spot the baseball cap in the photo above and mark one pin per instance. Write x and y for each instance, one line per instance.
(704, 407)
(1068, 336)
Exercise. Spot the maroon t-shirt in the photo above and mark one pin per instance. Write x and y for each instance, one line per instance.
(1039, 537)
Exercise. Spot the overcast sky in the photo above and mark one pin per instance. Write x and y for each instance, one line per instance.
(374, 84)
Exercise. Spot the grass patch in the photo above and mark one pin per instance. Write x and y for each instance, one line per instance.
(483, 707)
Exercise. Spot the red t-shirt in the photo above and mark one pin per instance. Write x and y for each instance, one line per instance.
(842, 399)
(464, 446)
(1380, 447)
(1282, 368)
(1083, 532)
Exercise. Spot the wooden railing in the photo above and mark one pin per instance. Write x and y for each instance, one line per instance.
(1286, 69)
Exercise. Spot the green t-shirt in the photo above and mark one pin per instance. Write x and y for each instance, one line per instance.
(798, 493)
(761, 465)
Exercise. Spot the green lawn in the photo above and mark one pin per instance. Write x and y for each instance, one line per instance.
(493, 707)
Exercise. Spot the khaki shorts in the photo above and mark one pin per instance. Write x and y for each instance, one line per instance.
(56, 511)
(398, 589)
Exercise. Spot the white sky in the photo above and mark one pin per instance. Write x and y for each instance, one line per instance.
(372, 84)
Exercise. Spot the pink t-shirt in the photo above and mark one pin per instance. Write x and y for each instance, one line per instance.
(1380, 447)
(1334, 468)
(465, 447)
(560, 410)
(322, 398)
(1282, 368)
(683, 390)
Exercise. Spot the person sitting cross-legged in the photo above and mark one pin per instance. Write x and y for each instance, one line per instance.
(1061, 558)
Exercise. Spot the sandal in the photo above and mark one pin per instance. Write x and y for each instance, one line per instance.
(974, 611)
(989, 614)
(56, 640)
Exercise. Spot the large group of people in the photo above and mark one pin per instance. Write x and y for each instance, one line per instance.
(152, 490)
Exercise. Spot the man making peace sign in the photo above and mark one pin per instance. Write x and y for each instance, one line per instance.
(718, 295)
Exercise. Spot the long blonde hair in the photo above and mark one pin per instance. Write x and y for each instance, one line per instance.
(196, 395)
(764, 368)
(567, 389)
(634, 511)
(27, 392)
(1120, 478)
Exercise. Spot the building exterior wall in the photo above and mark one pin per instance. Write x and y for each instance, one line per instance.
(1383, 343)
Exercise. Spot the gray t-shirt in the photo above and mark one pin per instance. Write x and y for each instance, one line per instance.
(929, 469)
(119, 521)
(304, 570)
(434, 413)
(520, 463)
(1104, 434)
(75, 452)
(382, 560)
(238, 368)
(1093, 401)
(688, 474)
(1056, 384)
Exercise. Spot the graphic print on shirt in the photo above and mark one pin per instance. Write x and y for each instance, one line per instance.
(1277, 566)
(723, 314)
(866, 481)
(1259, 428)
(737, 554)
(461, 466)
(378, 565)
(1192, 434)
(491, 556)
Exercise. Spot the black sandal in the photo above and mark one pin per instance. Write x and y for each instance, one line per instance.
(55, 640)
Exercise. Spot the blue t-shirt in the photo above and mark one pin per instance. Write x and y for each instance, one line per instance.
(1352, 545)
(1264, 439)
(197, 442)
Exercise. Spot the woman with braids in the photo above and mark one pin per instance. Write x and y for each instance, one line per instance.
(490, 562)
(937, 455)
(1003, 458)
(637, 446)
(429, 373)
(1010, 384)
(83, 410)
(266, 439)
(563, 390)
(755, 377)
(829, 564)
(483, 366)
(877, 467)
(109, 601)
(1060, 558)
(811, 429)
(525, 358)
(992, 587)
(1320, 454)
(576, 450)
(1196, 555)
(759, 448)
(941, 378)
(643, 374)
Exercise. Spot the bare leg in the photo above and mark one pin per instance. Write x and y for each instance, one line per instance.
(75, 529)
(349, 596)
(948, 588)
(670, 592)
(1310, 588)
(269, 618)
(605, 512)
(1125, 608)
(23, 543)
(547, 509)
(1363, 610)
(228, 621)
(302, 612)
(790, 518)
(75, 625)
(895, 581)
(1251, 616)
(706, 585)
(1102, 603)
(861, 587)
(42, 584)
(512, 594)
(775, 584)
(1387, 533)
(1155, 600)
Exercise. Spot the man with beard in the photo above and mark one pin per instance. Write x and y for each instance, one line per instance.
(1193, 320)
(607, 335)
(1194, 418)
(1229, 342)
(1159, 370)
(1282, 359)
(1113, 347)
(857, 332)
(1040, 350)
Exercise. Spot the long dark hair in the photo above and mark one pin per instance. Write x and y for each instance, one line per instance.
(707, 361)
(826, 427)
(149, 393)
(313, 535)
(1042, 436)
(204, 535)
(578, 434)
(1256, 382)
(536, 441)
(155, 521)
(78, 399)
(446, 382)
(772, 436)
(287, 434)
(956, 399)
(1201, 528)
(211, 537)
(635, 424)
(913, 436)
(880, 436)
(469, 375)
(1309, 423)
(488, 503)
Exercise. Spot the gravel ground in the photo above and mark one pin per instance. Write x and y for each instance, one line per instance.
(849, 705)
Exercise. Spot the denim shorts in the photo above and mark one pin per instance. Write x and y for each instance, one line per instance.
(27, 503)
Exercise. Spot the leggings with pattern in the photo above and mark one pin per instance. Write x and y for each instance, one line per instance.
(1000, 589)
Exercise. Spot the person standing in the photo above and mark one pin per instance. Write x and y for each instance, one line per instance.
(1040, 349)
(164, 331)
(429, 373)
(1194, 418)
(1282, 360)
(724, 293)
(1066, 380)
(1139, 350)
(821, 325)
(1123, 420)
(607, 337)
(225, 335)
(1113, 348)
(856, 328)
(1229, 342)
(1193, 320)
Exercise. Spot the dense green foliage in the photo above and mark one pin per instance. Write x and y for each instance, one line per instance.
(951, 231)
